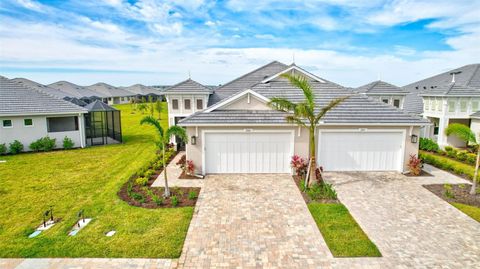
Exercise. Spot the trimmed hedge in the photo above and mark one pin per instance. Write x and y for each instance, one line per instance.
(428, 144)
(448, 164)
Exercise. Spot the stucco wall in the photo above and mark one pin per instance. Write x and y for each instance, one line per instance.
(194, 152)
(475, 126)
(26, 135)
(243, 103)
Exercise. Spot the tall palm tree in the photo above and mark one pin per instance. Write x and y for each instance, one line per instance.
(468, 136)
(164, 138)
(305, 114)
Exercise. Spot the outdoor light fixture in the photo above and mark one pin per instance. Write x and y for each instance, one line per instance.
(414, 139)
(194, 140)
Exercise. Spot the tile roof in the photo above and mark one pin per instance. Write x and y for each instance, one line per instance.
(476, 115)
(357, 109)
(74, 90)
(108, 90)
(37, 86)
(452, 89)
(142, 89)
(17, 99)
(246, 81)
(381, 87)
(97, 105)
(469, 76)
(188, 86)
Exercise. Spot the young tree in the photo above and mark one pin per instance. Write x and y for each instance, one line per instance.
(151, 105)
(158, 108)
(468, 136)
(164, 137)
(132, 104)
(305, 114)
(142, 107)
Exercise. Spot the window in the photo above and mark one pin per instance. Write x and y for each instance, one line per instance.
(426, 103)
(440, 105)
(451, 106)
(174, 104)
(7, 124)
(27, 122)
(186, 104)
(385, 101)
(62, 124)
(474, 106)
(199, 104)
(109, 98)
(123, 98)
(463, 106)
(396, 103)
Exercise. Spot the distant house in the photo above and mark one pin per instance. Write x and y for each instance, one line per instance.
(75, 91)
(384, 92)
(449, 97)
(27, 114)
(112, 95)
(142, 91)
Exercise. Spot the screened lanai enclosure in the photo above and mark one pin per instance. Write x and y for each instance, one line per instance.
(102, 124)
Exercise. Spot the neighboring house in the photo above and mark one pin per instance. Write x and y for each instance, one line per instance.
(239, 133)
(184, 99)
(384, 92)
(449, 97)
(27, 114)
(142, 91)
(76, 91)
(112, 95)
(41, 87)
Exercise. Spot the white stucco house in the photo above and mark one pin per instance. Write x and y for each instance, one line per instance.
(27, 114)
(239, 133)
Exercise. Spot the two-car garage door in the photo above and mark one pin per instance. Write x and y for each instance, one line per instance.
(248, 152)
(361, 151)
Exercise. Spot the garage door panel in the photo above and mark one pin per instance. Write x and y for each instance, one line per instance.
(360, 151)
(247, 152)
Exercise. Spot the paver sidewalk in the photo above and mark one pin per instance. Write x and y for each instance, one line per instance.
(173, 172)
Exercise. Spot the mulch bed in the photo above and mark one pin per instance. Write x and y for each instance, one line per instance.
(184, 175)
(307, 199)
(422, 174)
(181, 193)
(461, 195)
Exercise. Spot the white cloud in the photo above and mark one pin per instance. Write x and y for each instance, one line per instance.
(31, 4)
(210, 23)
(265, 36)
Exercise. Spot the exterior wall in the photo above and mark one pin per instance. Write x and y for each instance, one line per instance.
(26, 135)
(450, 107)
(301, 141)
(246, 102)
(475, 126)
(181, 111)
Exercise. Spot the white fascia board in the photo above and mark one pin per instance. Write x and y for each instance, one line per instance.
(236, 97)
(42, 114)
(319, 126)
(308, 74)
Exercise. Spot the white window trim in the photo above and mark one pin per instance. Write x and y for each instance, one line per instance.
(184, 103)
(178, 104)
(236, 97)
(7, 127)
(28, 126)
(196, 104)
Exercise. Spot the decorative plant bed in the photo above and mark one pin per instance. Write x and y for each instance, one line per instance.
(458, 193)
(184, 175)
(298, 180)
(423, 173)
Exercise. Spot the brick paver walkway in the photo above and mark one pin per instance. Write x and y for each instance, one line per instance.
(173, 172)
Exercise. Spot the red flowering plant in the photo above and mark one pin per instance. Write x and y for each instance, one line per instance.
(299, 164)
(190, 167)
(415, 165)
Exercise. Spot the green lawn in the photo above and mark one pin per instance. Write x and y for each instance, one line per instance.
(341, 232)
(87, 179)
(472, 211)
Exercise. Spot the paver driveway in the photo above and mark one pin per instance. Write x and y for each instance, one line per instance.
(252, 221)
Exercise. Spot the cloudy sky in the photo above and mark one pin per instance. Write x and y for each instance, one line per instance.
(160, 42)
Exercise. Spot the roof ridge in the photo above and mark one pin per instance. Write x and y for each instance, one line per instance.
(477, 66)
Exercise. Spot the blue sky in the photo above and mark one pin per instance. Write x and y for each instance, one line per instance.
(160, 42)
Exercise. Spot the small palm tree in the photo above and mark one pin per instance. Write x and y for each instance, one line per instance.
(164, 138)
(466, 134)
(304, 114)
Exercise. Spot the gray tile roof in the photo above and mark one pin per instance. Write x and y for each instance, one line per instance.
(380, 87)
(97, 105)
(108, 90)
(246, 81)
(188, 86)
(74, 90)
(358, 109)
(476, 115)
(452, 89)
(16, 99)
(40, 87)
(142, 90)
(469, 76)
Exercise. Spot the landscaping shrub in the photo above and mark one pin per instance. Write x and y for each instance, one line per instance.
(138, 197)
(16, 147)
(155, 198)
(448, 191)
(448, 148)
(43, 144)
(129, 189)
(415, 165)
(68, 143)
(141, 181)
(148, 174)
(3, 149)
(192, 195)
(174, 200)
(190, 169)
(299, 165)
(471, 158)
(447, 164)
(452, 153)
(428, 144)
(321, 191)
(462, 156)
(442, 152)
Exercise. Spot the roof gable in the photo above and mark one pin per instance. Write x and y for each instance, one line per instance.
(294, 70)
(188, 86)
(228, 101)
(381, 87)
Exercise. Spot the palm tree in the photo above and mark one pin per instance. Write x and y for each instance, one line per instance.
(466, 134)
(164, 138)
(304, 114)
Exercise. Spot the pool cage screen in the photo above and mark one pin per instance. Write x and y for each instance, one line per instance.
(103, 127)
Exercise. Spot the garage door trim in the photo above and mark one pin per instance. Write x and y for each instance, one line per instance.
(364, 130)
(244, 131)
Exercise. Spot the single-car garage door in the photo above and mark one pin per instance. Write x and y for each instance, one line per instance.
(361, 151)
(248, 152)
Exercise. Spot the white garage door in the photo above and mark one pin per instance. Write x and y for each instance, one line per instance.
(247, 152)
(361, 151)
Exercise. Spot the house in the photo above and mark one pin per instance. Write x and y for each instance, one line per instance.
(27, 114)
(76, 91)
(40, 87)
(112, 95)
(142, 91)
(384, 92)
(239, 133)
(449, 97)
(184, 99)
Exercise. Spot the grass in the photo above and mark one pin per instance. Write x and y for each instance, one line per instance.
(472, 211)
(87, 179)
(341, 232)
